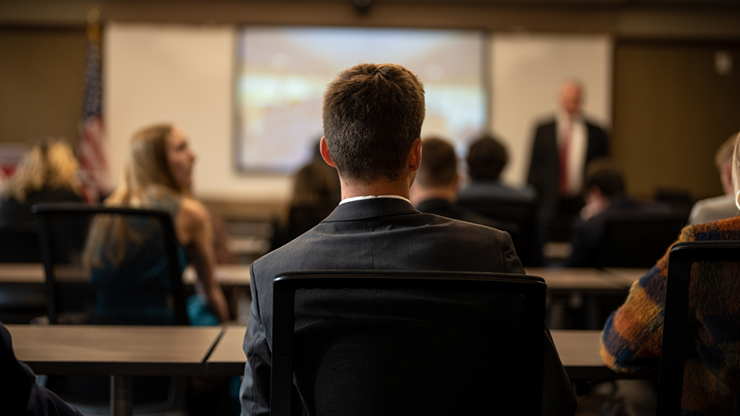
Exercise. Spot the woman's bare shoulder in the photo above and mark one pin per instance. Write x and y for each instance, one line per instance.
(194, 212)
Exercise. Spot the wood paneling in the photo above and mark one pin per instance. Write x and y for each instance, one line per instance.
(41, 80)
(672, 111)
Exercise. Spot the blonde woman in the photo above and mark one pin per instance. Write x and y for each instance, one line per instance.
(129, 273)
(48, 173)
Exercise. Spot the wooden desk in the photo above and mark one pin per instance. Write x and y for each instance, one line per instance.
(627, 276)
(591, 281)
(228, 358)
(118, 351)
(32, 274)
(579, 352)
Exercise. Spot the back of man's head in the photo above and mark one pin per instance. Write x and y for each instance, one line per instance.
(438, 164)
(604, 174)
(487, 157)
(372, 115)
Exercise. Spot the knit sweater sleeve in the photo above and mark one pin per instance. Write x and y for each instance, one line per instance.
(633, 334)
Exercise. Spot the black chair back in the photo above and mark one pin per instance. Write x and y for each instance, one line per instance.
(637, 238)
(399, 343)
(680, 330)
(19, 243)
(63, 233)
(521, 212)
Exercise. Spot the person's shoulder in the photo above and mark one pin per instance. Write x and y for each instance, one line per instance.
(725, 229)
(713, 209)
(545, 122)
(469, 229)
(194, 211)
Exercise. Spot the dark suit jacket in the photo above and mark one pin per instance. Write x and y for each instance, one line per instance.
(382, 234)
(544, 168)
(445, 208)
(19, 393)
(586, 236)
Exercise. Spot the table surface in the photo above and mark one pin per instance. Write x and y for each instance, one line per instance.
(579, 352)
(626, 275)
(557, 279)
(584, 279)
(114, 350)
(33, 273)
(131, 350)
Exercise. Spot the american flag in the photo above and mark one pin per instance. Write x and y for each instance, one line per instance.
(92, 130)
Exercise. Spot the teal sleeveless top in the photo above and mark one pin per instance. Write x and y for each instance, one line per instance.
(135, 291)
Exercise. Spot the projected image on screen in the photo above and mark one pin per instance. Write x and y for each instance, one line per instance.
(283, 73)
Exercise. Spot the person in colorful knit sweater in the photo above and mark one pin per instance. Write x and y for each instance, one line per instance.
(631, 341)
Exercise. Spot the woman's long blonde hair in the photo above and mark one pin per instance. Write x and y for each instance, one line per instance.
(50, 162)
(147, 180)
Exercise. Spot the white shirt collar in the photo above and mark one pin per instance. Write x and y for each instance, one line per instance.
(360, 198)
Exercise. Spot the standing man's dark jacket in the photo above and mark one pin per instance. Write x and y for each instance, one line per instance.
(382, 234)
(544, 168)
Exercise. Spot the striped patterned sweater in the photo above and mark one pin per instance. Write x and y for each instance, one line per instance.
(632, 336)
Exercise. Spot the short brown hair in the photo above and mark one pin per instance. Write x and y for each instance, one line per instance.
(487, 157)
(372, 115)
(438, 163)
(604, 174)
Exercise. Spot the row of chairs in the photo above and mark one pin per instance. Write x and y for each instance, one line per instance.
(408, 355)
(630, 239)
(412, 321)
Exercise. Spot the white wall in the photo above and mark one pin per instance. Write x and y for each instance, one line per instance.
(184, 74)
(180, 74)
(526, 72)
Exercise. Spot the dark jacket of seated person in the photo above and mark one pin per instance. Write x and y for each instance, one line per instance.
(19, 393)
(487, 158)
(436, 185)
(376, 228)
(604, 195)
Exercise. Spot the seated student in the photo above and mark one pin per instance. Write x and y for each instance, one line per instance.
(316, 193)
(435, 189)
(719, 207)
(631, 342)
(19, 393)
(129, 276)
(604, 192)
(487, 158)
(48, 173)
(372, 124)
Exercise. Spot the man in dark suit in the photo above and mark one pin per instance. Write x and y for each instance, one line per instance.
(560, 151)
(435, 189)
(372, 123)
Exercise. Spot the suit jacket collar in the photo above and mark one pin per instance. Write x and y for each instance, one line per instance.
(371, 208)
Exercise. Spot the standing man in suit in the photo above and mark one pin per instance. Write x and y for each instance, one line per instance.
(372, 124)
(561, 149)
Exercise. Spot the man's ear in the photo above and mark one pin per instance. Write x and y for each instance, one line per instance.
(415, 155)
(325, 152)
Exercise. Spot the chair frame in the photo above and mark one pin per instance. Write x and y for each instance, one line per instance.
(673, 349)
(285, 286)
(165, 220)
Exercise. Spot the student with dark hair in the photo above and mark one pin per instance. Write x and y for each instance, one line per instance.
(372, 124)
(435, 188)
(487, 158)
(604, 193)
